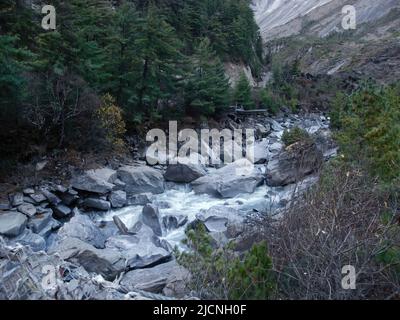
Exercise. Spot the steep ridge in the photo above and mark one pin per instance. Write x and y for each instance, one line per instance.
(311, 32)
(280, 18)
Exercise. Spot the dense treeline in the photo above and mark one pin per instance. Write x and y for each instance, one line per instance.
(152, 59)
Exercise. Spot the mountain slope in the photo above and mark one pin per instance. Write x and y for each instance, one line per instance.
(272, 14)
(283, 18)
(315, 37)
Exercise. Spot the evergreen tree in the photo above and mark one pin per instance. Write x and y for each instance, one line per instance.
(157, 62)
(13, 62)
(121, 53)
(207, 85)
(77, 45)
(243, 95)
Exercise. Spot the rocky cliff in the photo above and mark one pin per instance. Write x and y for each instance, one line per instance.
(312, 32)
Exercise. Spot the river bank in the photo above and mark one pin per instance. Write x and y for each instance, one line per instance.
(120, 226)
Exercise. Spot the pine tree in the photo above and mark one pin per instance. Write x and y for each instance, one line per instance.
(13, 62)
(121, 53)
(243, 95)
(207, 86)
(77, 45)
(157, 63)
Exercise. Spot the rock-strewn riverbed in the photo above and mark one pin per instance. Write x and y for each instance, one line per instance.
(110, 234)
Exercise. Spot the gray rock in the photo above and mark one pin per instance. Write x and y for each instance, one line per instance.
(38, 197)
(82, 228)
(218, 218)
(141, 179)
(29, 200)
(139, 199)
(41, 165)
(141, 250)
(276, 147)
(293, 164)
(17, 199)
(61, 211)
(262, 130)
(28, 191)
(12, 224)
(49, 229)
(234, 179)
(27, 209)
(24, 281)
(97, 181)
(275, 126)
(108, 228)
(40, 221)
(185, 171)
(118, 199)
(151, 217)
(119, 185)
(107, 262)
(61, 189)
(51, 197)
(4, 206)
(261, 154)
(97, 204)
(72, 192)
(174, 222)
(120, 225)
(33, 240)
(69, 199)
(154, 279)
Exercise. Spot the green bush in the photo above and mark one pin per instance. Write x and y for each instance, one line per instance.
(295, 135)
(221, 274)
(269, 101)
(369, 130)
(251, 278)
(243, 93)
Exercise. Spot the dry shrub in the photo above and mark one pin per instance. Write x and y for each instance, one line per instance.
(344, 220)
(111, 121)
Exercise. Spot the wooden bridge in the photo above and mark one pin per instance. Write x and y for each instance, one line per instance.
(241, 111)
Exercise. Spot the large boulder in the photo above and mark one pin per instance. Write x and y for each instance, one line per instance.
(43, 223)
(107, 262)
(28, 238)
(185, 170)
(27, 209)
(38, 197)
(118, 199)
(62, 211)
(151, 218)
(293, 164)
(83, 228)
(155, 279)
(95, 203)
(261, 154)
(24, 280)
(139, 199)
(96, 181)
(228, 182)
(220, 218)
(141, 179)
(142, 250)
(17, 199)
(51, 197)
(12, 223)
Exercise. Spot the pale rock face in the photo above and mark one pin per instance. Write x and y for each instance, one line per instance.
(281, 18)
(270, 14)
